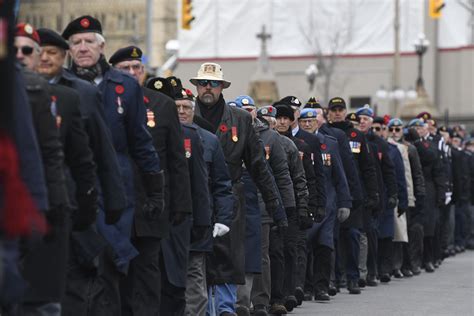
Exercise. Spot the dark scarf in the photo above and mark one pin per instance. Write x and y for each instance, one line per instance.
(90, 73)
(212, 114)
(344, 125)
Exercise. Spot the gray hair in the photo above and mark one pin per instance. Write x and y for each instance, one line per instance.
(100, 38)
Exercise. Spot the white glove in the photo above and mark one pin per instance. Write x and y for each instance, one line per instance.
(220, 230)
(343, 213)
(448, 198)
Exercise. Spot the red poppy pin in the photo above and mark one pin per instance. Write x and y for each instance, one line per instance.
(223, 128)
(146, 100)
(119, 89)
(53, 98)
(85, 23)
(353, 134)
(323, 146)
(426, 144)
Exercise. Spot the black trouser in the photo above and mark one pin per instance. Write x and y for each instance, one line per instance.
(444, 226)
(349, 249)
(291, 255)
(277, 266)
(385, 256)
(90, 294)
(140, 290)
(372, 245)
(321, 267)
(397, 258)
(173, 299)
(413, 256)
(428, 249)
(301, 250)
(309, 273)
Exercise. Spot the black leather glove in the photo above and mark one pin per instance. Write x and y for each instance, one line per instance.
(178, 218)
(112, 216)
(290, 211)
(282, 226)
(272, 206)
(372, 202)
(401, 211)
(392, 202)
(87, 210)
(154, 184)
(319, 214)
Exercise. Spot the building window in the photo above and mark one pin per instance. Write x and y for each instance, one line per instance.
(358, 102)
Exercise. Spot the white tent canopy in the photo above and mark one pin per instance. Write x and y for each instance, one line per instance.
(228, 28)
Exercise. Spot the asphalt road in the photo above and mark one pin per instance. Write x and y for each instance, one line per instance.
(447, 291)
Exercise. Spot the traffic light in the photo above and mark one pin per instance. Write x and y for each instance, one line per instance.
(435, 7)
(186, 14)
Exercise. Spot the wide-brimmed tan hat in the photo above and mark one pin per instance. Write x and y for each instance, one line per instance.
(210, 71)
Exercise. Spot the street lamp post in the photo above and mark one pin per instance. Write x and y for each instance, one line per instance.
(421, 46)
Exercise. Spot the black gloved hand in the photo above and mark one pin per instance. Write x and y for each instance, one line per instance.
(290, 211)
(272, 206)
(112, 216)
(87, 210)
(178, 218)
(306, 222)
(282, 226)
(392, 202)
(420, 202)
(154, 184)
(372, 202)
(401, 211)
(319, 214)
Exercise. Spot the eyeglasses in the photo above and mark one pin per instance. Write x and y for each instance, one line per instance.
(213, 83)
(395, 129)
(25, 50)
(378, 128)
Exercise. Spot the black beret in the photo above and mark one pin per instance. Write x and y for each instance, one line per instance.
(284, 110)
(176, 84)
(126, 53)
(290, 100)
(82, 24)
(162, 85)
(50, 37)
(180, 93)
(312, 103)
(380, 120)
(352, 117)
(336, 102)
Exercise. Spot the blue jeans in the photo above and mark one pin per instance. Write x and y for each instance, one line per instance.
(223, 300)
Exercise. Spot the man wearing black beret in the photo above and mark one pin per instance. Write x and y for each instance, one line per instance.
(126, 117)
(165, 129)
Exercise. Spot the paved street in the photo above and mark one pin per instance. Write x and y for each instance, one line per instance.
(447, 291)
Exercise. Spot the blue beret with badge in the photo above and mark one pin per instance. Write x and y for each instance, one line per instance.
(365, 110)
(308, 113)
(395, 122)
(244, 100)
(416, 122)
(83, 24)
